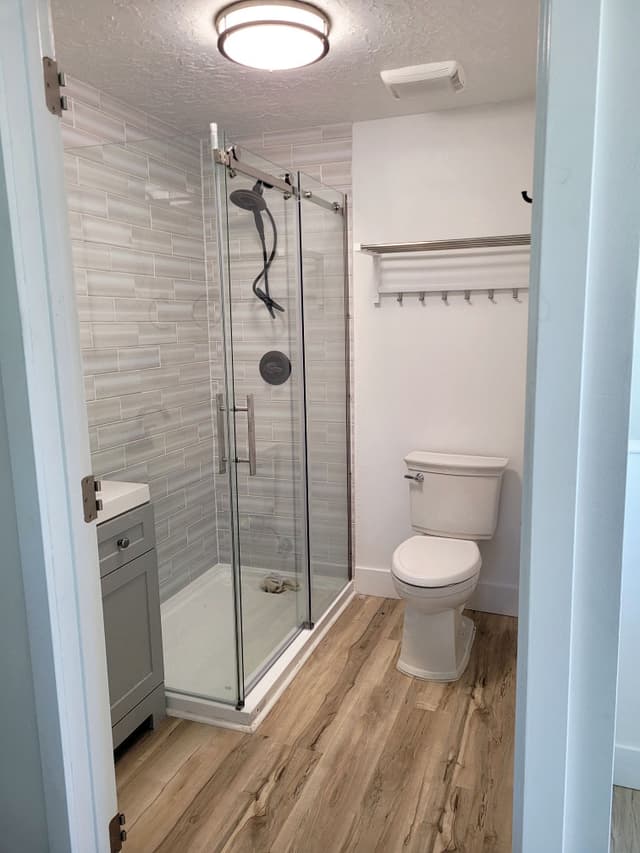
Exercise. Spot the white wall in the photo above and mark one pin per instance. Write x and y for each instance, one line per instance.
(627, 760)
(437, 377)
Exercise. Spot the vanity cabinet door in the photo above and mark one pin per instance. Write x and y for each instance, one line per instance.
(131, 605)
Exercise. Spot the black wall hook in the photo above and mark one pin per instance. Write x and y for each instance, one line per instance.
(525, 195)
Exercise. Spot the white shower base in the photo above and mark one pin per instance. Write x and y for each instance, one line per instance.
(199, 643)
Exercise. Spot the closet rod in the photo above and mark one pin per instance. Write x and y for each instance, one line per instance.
(447, 245)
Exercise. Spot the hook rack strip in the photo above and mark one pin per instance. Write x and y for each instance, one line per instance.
(465, 265)
(446, 293)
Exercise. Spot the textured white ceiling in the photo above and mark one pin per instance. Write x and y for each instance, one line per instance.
(161, 56)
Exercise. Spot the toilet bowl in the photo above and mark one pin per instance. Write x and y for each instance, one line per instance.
(436, 577)
(454, 501)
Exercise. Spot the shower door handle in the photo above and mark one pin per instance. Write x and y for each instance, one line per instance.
(222, 450)
(251, 434)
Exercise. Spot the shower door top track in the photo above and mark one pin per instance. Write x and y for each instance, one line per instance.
(231, 157)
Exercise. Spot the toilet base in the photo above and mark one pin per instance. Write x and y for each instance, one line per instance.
(435, 646)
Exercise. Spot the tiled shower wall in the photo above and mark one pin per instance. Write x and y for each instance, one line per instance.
(135, 196)
(135, 199)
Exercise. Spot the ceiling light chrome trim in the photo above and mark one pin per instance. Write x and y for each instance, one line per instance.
(323, 37)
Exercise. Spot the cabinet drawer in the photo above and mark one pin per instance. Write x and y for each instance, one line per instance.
(124, 538)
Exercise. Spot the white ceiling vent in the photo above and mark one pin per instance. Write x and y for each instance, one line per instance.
(420, 80)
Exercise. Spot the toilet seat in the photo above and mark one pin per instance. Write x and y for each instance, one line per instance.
(433, 561)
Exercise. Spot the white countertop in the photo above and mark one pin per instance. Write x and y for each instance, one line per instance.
(118, 497)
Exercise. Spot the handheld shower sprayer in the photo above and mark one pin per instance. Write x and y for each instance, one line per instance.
(253, 201)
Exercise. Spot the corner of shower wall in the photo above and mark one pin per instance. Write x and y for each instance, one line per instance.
(146, 295)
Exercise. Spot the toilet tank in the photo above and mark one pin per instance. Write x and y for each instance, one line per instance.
(455, 496)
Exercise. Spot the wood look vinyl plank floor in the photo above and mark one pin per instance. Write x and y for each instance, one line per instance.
(625, 829)
(354, 757)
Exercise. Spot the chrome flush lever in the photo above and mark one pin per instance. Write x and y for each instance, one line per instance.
(419, 477)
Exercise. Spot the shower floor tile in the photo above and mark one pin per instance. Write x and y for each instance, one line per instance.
(198, 633)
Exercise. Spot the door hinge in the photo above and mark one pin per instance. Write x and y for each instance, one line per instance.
(53, 81)
(91, 504)
(117, 835)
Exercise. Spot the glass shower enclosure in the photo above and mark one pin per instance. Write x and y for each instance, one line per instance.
(212, 297)
(282, 408)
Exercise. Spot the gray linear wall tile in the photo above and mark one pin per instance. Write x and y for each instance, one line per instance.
(95, 121)
(100, 177)
(104, 411)
(151, 301)
(125, 210)
(114, 334)
(138, 358)
(109, 283)
(140, 279)
(128, 260)
(125, 160)
(85, 200)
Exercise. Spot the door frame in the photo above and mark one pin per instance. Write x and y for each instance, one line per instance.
(49, 447)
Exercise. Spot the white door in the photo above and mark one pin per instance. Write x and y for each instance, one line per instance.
(48, 447)
(583, 286)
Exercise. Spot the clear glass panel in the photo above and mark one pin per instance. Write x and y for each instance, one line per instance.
(269, 507)
(145, 310)
(327, 384)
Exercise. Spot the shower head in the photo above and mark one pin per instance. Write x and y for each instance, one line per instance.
(251, 200)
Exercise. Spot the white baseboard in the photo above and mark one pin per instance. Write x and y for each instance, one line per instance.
(488, 597)
(375, 582)
(626, 767)
(501, 598)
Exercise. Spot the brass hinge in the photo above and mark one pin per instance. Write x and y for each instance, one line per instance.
(117, 835)
(53, 81)
(91, 504)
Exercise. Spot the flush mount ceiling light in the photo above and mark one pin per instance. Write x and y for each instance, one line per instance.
(272, 36)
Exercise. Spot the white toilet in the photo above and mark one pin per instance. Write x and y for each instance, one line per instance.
(454, 501)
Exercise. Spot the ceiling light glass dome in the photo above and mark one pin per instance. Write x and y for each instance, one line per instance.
(272, 36)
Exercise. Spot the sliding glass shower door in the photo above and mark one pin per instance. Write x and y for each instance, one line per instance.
(261, 409)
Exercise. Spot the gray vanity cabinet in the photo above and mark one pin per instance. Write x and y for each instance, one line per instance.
(131, 607)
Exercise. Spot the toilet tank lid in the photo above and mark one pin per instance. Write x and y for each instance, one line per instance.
(456, 463)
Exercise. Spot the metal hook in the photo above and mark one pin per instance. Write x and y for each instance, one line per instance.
(445, 297)
(491, 296)
(421, 297)
(399, 298)
(516, 291)
(467, 297)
